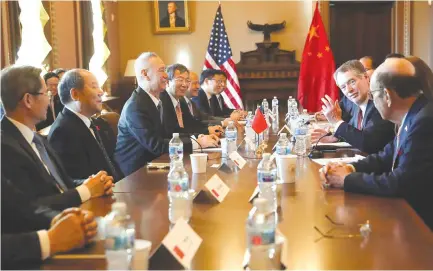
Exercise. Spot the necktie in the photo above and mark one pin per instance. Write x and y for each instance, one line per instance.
(360, 117)
(47, 161)
(179, 115)
(53, 111)
(220, 102)
(397, 143)
(104, 151)
(160, 110)
(190, 108)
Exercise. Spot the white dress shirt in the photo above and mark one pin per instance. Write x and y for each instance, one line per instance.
(85, 119)
(208, 97)
(189, 103)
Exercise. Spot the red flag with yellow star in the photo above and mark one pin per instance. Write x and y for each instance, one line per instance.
(317, 68)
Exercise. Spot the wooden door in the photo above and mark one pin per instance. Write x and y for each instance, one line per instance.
(360, 29)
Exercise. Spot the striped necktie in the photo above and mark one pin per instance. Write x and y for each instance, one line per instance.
(179, 115)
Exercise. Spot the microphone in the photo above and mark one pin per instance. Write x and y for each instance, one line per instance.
(314, 153)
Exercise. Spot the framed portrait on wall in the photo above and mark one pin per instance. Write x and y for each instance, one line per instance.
(171, 17)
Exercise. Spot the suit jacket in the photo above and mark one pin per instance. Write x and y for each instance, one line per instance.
(202, 116)
(77, 147)
(22, 166)
(20, 250)
(213, 109)
(171, 124)
(413, 163)
(346, 106)
(58, 107)
(376, 132)
(141, 136)
(165, 22)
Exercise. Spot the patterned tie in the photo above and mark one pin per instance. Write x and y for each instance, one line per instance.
(160, 110)
(360, 117)
(220, 102)
(104, 151)
(47, 161)
(179, 115)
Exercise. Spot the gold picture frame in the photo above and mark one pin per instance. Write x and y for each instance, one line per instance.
(171, 17)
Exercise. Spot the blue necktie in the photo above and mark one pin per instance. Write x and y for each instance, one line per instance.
(47, 161)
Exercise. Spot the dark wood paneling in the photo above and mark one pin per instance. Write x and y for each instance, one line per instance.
(359, 29)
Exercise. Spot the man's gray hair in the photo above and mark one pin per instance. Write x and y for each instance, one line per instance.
(16, 81)
(142, 63)
(171, 70)
(71, 79)
(354, 66)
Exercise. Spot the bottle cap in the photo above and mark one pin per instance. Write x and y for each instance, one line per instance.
(290, 97)
(304, 110)
(275, 97)
(175, 134)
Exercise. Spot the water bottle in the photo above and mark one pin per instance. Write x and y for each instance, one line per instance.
(178, 193)
(119, 237)
(275, 106)
(283, 147)
(249, 132)
(175, 148)
(265, 106)
(266, 178)
(231, 136)
(261, 228)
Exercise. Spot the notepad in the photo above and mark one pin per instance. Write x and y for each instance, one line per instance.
(209, 150)
(324, 161)
(336, 144)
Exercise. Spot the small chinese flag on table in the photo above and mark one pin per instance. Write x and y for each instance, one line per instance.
(317, 68)
(259, 122)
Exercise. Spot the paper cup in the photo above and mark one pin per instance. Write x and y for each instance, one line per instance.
(286, 165)
(140, 260)
(198, 162)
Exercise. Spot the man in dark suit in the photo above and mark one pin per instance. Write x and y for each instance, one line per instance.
(84, 145)
(28, 160)
(172, 19)
(31, 233)
(141, 135)
(366, 130)
(209, 99)
(403, 168)
(177, 117)
(52, 81)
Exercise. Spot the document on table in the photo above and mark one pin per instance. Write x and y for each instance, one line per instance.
(336, 144)
(324, 161)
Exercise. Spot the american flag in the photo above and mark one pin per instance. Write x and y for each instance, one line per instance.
(219, 57)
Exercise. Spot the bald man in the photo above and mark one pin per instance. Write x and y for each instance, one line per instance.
(404, 167)
(368, 63)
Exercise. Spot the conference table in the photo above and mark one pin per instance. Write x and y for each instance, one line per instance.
(399, 239)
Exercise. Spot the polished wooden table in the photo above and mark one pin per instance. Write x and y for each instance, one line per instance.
(399, 239)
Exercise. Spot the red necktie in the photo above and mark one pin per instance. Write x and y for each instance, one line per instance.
(359, 119)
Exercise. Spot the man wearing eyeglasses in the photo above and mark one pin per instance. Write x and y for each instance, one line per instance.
(366, 130)
(176, 116)
(52, 81)
(209, 100)
(403, 168)
(27, 159)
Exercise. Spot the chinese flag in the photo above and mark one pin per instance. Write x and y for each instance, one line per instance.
(259, 122)
(317, 68)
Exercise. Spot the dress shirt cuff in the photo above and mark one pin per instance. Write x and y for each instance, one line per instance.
(44, 242)
(337, 125)
(84, 192)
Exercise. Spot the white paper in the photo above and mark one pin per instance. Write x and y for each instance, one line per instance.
(209, 150)
(237, 159)
(285, 127)
(336, 144)
(182, 242)
(217, 187)
(215, 165)
(325, 161)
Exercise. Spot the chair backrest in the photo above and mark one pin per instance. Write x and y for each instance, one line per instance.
(112, 118)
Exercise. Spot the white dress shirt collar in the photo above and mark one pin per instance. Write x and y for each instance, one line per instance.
(27, 133)
(173, 100)
(85, 119)
(363, 107)
(209, 96)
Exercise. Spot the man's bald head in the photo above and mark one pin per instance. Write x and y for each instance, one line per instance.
(396, 74)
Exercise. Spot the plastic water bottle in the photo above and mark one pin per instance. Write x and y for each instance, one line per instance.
(275, 106)
(178, 193)
(261, 228)
(175, 148)
(265, 106)
(249, 132)
(119, 237)
(231, 136)
(283, 145)
(266, 178)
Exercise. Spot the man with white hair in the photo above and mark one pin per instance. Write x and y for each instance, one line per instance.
(141, 136)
